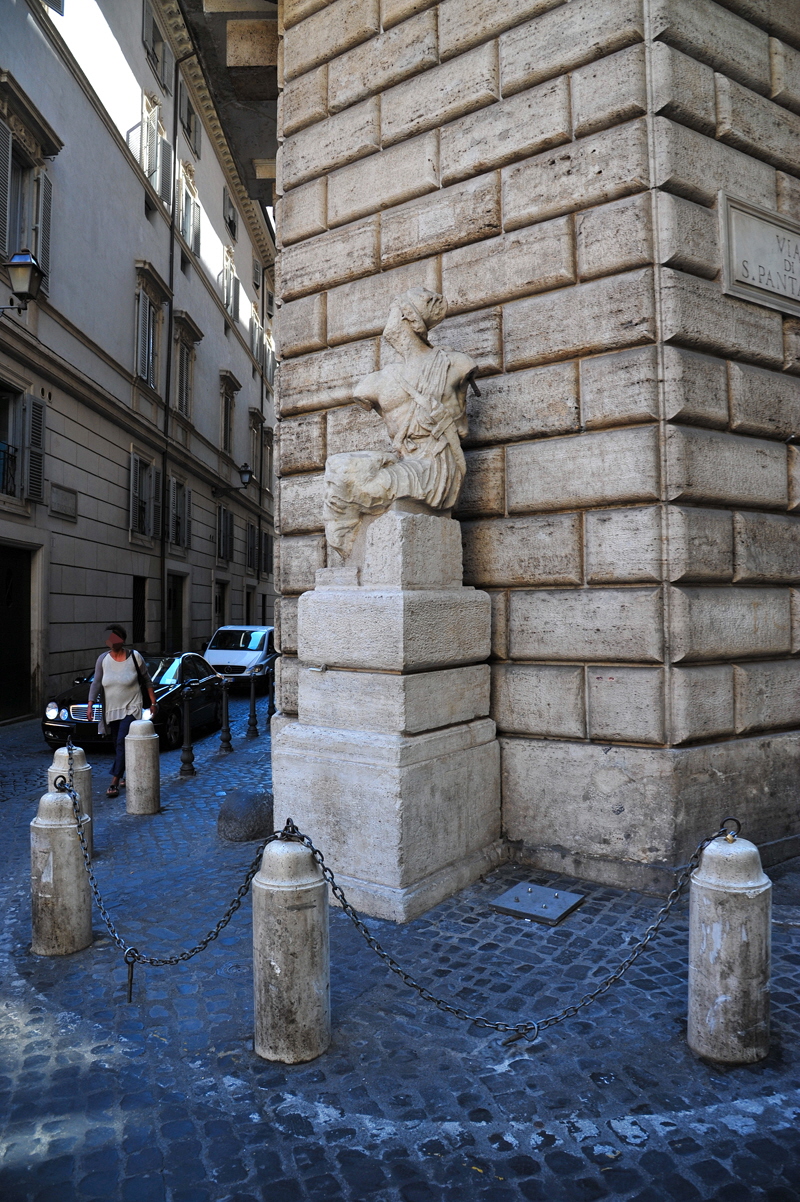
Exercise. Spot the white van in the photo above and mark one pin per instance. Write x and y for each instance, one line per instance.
(236, 651)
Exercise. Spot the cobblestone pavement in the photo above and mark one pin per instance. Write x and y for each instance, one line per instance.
(164, 1099)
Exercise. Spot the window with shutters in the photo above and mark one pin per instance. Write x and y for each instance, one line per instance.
(189, 209)
(229, 213)
(180, 513)
(258, 273)
(268, 437)
(35, 426)
(187, 335)
(159, 51)
(267, 553)
(145, 497)
(152, 294)
(224, 534)
(226, 431)
(230, 285)
(189, 118)
(10, 439)
(27, 143)
(252, 548)
(152, 151)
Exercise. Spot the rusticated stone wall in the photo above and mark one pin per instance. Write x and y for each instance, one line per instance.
(633, 497)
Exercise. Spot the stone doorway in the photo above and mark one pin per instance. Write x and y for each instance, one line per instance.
(15, 651)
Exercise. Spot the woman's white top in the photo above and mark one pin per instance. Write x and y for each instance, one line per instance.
(121, 689)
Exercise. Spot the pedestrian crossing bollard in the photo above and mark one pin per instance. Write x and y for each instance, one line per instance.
(82, 783)
(291, 955)
(730, 904)
(142, 770)
(61, 899)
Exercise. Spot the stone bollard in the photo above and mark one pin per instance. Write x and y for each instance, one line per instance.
(61, 899)
(142, 770)
(291, 955)
(729, 954)
(82, 783)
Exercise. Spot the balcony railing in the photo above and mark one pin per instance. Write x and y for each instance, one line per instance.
(8, 469)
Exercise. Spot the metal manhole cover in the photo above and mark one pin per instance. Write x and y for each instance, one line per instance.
(235, 970)
(537, 903)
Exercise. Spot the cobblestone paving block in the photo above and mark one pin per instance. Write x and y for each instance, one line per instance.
(164, 1099)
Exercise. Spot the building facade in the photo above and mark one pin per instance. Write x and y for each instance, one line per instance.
(600, 191)
(139, 383)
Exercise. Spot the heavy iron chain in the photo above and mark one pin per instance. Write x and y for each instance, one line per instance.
(528, 1030)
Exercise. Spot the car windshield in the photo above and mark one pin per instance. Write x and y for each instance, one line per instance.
(164, 670)
(238, 640)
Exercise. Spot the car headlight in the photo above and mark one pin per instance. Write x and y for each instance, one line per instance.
(64, 715)
(51, 710)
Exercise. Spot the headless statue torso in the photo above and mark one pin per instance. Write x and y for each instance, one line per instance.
(422, 400)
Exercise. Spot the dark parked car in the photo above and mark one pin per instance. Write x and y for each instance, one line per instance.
(68, 712)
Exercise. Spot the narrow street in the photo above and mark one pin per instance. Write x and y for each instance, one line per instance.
(164, 1098)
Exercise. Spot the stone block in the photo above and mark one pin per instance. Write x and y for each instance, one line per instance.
(301, 503)
(478, 335)
(701, 702)
(439, 95)
(499, 624)
(483, 491)
(515, 264)
(756, 125)
(245, 815)
(300, 326)
(329, 259)
(394, 631)
(286, 635)
(524, 404)
(690, 164)
(767, 695)
(766, 548)
(286, 672)
(602, 468)
(464, 213)
(720, 39)
(302, 444)
(785, 71)
(298, 10)
(623, 545)
(464, 23)
(403, 704)
(695, 388)
(728, 623)
(580, 624)
(778, 17)
(688, 236)
(683, 89)
(383, 61)
(513, 128)
(328, 32)
(791, 345)
(316, 381)
(795, 608)
(793, 466)
(302, 212)
(360, 308)
(433, 801)
(354, 428)
(765, 403)
(299, 561)
(412, 550)
(394, 11)
(251, 43)
(700, 544)
(603, 167)
(614, 237)
(332, 143)
(620, 388)
(609, 91)
(704, 465)
(788, 188)
(538, 699)
(519, 551)
(696, 314)
(381, 181)
(625, 704)
(304, 100)
(565, 38)
(604, 314)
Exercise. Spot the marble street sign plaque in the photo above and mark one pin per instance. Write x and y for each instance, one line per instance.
(761, 255)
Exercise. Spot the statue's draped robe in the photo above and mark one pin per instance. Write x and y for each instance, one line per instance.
(428, 465)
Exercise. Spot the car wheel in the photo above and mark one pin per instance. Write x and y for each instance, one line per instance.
(173, 729)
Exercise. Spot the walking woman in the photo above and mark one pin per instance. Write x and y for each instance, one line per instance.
(122, 676)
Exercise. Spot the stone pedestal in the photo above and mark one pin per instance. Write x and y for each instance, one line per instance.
(393, 765)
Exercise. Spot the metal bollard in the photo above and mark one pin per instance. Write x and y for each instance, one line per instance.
(61, 899)
(82, 783)
(291, 955)
(187, 754)
(142, 770)
(730, 906)
(225, 745)
(252, 721)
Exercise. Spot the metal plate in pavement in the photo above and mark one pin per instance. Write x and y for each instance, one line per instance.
(537, 903)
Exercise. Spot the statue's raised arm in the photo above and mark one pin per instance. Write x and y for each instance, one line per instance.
(422, 400)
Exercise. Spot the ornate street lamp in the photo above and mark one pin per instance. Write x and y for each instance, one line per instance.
(26, 279)
(245, 475)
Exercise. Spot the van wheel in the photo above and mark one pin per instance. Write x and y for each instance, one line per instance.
(173, 731)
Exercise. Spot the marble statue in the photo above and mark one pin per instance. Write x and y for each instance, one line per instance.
(422, 400)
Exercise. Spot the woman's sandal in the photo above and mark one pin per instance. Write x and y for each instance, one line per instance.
(112, 791)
